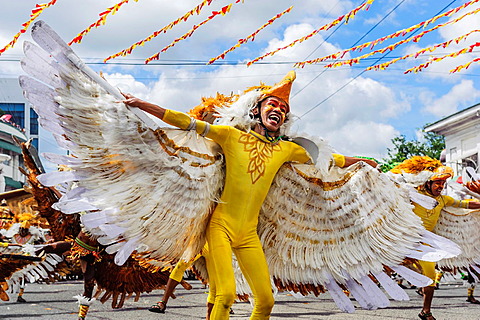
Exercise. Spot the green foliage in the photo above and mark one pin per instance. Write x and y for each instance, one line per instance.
(403, 149)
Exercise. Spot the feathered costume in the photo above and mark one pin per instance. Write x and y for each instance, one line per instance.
(449, 218)
(151, 190)
(115, 283)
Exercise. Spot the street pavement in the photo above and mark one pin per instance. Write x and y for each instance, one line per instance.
(55, 302)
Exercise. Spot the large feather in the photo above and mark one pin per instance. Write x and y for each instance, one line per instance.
(152, 190)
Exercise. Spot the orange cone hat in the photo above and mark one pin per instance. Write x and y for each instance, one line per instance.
(282, 89)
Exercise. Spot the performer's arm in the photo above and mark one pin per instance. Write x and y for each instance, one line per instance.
(473, 205)
(451, 202)
(178, 119)
(148, 107)
(352, 160)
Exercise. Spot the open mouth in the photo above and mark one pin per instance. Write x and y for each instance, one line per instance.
(274, 118)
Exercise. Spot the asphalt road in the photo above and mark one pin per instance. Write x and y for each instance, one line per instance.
(55, 302)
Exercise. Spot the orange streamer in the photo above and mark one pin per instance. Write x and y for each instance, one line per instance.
(445, 44)
(100, 22)
(391, 47)
(372, 44)
(251, 36)
(465, 66)
(184, 18)
(450, 55)
(34, 15)
(346, 17)
(222, 12)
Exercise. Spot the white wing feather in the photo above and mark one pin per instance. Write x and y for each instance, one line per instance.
(148, 190)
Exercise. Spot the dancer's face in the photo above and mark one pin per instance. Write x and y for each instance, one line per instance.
(436, 187)
(273, 112)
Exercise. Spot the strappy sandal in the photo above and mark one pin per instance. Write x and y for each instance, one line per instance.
(426, 316)
(159, 307)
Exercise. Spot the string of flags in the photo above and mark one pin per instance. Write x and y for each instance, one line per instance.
(33, 15)
(195, 11)
(251, 36)
(403, 32)
(223, 12)
(416, 54)
(346, 17)
(100, 22)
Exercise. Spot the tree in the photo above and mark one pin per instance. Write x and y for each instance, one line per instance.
(432, 146)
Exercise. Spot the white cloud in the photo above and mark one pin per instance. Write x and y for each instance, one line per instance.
(461, 95)
(363, 103)
(356, 138)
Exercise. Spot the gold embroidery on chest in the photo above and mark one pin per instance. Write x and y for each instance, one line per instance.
(259, 154)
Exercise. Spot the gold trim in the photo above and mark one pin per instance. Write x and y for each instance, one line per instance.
(166, 143)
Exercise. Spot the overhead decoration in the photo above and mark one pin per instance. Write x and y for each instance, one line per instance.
(34, 15)
(214, 14)
(403, 32)
(346, 17)
(184, 18)
(464, 66)
(445, 44)
(100, 22)
(251, 36)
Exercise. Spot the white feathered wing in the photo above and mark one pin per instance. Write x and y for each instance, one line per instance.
(341, 230)
(149, 190)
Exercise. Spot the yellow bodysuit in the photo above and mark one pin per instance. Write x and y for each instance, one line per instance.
(430, 218)
(251, 165)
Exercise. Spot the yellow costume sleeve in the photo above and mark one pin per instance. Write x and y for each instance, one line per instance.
(451, 202)
(339, 160)
(183, 121)
(3, 244)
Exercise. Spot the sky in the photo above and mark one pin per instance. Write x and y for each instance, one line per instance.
(357, 111)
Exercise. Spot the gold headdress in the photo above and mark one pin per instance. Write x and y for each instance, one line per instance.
(420, 169)
(239, 114)
(206, 110)
(282, 89)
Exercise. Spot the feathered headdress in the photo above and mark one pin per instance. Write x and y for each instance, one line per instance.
(206, 110)
(420, 169)
(240, 115)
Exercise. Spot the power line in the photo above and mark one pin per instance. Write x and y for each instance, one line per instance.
(358, 75)
(353, 45)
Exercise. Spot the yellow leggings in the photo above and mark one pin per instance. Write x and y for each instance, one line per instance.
(428, 270)
(179, 270)
(253, 264)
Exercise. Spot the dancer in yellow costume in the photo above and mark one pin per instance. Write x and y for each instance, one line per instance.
(433, 187)
(252, 159)
(176, 277)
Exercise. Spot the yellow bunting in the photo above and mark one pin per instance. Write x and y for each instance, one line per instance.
(465, 66)
(416, 54)
(450, 55)
(223, 12)
(101, 21)
(346, 17)
(251, 36)
(184, 18)
(403, 32)
(34, 15)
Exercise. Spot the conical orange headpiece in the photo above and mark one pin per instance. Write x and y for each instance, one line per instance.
(282, 89)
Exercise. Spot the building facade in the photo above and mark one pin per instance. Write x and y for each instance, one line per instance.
(19, 120)
(462, 138)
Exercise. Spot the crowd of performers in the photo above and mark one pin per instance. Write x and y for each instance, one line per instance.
(236, 242)
(236, 234)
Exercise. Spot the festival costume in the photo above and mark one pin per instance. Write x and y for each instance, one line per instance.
(152, 191)
(447, 218)
(85, 254)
